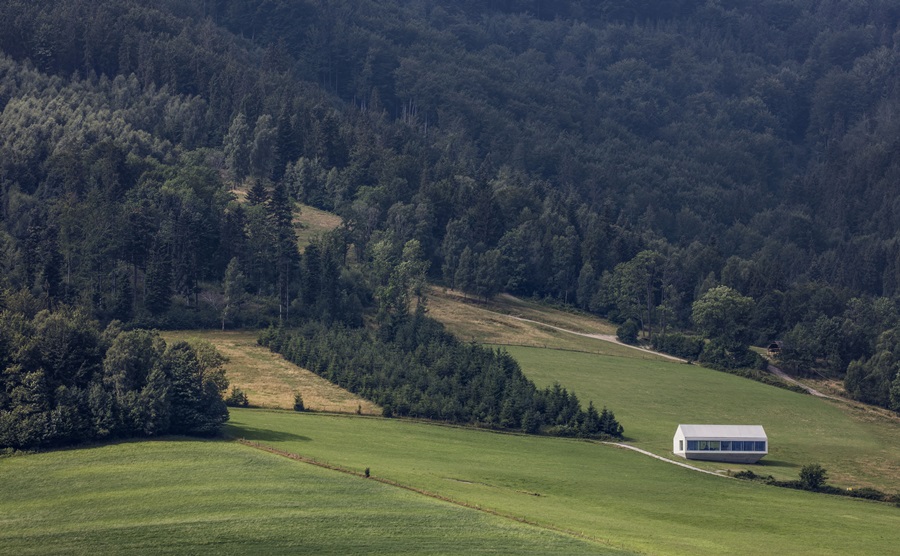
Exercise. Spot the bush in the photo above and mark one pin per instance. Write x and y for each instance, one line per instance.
(679, 345)
(628, 332)
(237, 398)
(298, 402)
(717, 355)
(867, 493)
(748, 475)
(813, 477)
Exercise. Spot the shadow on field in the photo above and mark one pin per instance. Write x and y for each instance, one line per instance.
(250, 433)
(775, 462)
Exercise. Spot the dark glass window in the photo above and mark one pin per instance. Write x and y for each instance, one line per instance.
(692, 445)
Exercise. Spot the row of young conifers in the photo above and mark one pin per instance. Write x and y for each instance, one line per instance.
(415, 368)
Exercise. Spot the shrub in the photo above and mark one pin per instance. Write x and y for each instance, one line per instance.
(748, 475)
(813, 477)
(298, 402)
(628, 332)
(867, 493)
(679, 345)
(237, 398)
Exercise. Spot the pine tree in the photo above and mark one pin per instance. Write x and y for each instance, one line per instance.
(235, 285)
(286, 254)
(258, 193)
(464, 278)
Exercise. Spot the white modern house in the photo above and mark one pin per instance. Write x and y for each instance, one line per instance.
(728, 443)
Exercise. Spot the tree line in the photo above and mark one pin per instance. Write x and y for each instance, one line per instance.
(65, 381)
(587, 153)
(414, 368)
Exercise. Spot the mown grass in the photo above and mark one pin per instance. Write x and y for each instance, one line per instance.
(620, 498)
(268, 379)
(857, 446)
(195, 497)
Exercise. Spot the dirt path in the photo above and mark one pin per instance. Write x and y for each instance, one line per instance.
(603, 337)
(667, 460)
(787, 378)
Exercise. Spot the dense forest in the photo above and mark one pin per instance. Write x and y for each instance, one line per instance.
(624, 158)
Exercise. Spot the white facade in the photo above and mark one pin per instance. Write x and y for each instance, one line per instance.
(728, 443)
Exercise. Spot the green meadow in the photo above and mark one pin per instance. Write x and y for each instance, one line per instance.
(620, 499)
(216, 497)
(858, 445)
(455, 490)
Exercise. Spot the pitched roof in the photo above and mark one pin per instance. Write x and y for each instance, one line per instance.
(724, 431)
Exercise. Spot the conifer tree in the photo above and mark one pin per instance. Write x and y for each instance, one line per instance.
(258, 193)
(237, 149)
(286, 254)
(235, 285)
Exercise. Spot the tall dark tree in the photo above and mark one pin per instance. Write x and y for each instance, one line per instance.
(286, 255)
(158, 295)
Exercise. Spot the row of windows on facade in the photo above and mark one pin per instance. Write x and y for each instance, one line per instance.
(723, 445)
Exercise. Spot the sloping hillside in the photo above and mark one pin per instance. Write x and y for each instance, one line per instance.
(270, 381)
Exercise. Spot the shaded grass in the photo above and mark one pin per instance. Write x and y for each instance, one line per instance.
(856, 446)
(310, 222)
(625, 499)
(268, 379)
(195, 497)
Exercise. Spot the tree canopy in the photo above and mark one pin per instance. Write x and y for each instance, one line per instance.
(540, 148)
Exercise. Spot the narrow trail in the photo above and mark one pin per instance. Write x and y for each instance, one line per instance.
(787, 378)
(604, 337)
(667, 460)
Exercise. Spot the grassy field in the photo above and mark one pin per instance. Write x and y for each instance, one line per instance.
(194, 497)
(858, 446)
(499, 322)
(268, 379)
(619, 498)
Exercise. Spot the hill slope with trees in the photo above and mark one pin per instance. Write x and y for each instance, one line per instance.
(624, 158)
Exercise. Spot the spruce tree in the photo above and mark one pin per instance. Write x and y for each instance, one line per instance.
(258, 193)
(286, 254)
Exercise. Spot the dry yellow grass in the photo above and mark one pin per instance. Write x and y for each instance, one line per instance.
(498, 322)
(269, 380)
(310, 222)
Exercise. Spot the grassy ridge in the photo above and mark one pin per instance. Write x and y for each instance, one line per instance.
(629, 500)
(858, 446)
(193, 497)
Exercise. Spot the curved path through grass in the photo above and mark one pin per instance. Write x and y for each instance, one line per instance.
(623, 499)
(603, 337)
